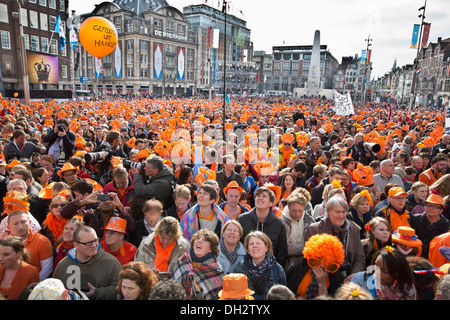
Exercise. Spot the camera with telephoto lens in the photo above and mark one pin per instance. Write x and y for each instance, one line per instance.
(131, 164)
(61, 128)
(96, 156)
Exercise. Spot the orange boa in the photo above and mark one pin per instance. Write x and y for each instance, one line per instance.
(162, 255)
(398, 220)
(54, 225)
(286, 156)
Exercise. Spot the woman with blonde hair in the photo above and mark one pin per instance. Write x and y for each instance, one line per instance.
(418, 193)
(260, 265)
(329, 191)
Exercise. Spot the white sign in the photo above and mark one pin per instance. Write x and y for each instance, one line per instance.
(343, 104)
(169, 35)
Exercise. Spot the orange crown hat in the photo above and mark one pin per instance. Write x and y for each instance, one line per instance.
(363, 175)
(203, 175)
(116, 161)
(117, 224)
(325, 247)
(14, 200)
(232, 185)
(80, 143)
(143, 154)
(235, 285)
(67, 167)
(264, 167)
(287, 138)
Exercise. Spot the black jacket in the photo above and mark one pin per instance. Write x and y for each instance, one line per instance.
(68, 142)
(426, 231)
(272, 227)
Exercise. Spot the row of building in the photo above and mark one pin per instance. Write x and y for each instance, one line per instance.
(164, 51)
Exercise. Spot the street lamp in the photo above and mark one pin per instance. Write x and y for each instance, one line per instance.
(413, 85)
(23, 57)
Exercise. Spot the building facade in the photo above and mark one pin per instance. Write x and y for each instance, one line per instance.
(234, 46)
(353, 76)
(289, 68)
(38, 60)
(156, 52)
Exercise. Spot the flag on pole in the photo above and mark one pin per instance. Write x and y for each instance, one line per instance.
(426, 34)
(415, 36)
(227, 98)
(73, 38)
(60, 30)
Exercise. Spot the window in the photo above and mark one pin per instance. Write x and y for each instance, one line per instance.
(130, 44)
(130, 72)
(158, 23)
(44, 21)
(129, 58)
(24, 17)
(4, 13)
(144, 45)
(52, 4)
(64, 71)
(181, 29)
(34, 19)
(52, 21)
(62, 5)
(144, 73)
(169, 25)
(6, 41)
(144, 59)
(34, 43)
(43, 3)
(44, 44)
(32, 1)
(27, 41)
(54, 46)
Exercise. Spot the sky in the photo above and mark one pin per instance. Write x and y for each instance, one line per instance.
(344, 25)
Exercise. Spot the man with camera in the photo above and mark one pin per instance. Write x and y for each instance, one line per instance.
(60, 142)
(154, 180)
(102, 154)
(95, 207)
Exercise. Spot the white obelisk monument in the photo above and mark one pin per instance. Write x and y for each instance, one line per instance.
(314, 68)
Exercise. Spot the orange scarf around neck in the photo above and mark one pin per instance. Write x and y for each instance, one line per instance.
(54, 225)
(162, 255)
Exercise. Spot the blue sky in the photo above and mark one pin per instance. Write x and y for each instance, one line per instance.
(344, 24)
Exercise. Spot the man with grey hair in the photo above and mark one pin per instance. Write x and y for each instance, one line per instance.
(387, 175)
(443, 288)
(154, 181)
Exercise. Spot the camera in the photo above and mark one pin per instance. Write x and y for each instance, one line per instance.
(95, 156)
(104, 197)
(130, 164)
(61, 128)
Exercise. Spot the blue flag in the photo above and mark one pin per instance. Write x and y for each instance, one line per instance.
(59, 29)
(227, 98)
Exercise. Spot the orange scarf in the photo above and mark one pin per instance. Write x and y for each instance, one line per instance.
(162, 255)
(54, 225)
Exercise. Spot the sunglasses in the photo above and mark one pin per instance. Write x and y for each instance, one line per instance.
(58, 205)
(329, 266)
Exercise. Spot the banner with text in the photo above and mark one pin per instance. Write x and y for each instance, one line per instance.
(343, 104)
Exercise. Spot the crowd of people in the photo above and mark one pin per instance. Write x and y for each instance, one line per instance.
(189, 199)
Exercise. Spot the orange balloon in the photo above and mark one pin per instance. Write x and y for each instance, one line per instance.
(98, 36)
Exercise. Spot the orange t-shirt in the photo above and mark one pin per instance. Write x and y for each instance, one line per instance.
(26, 275)
(39, 247)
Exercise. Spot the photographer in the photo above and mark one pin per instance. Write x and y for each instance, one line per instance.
(102, 154)
(358, 151)
(60, 142)
(154, 180)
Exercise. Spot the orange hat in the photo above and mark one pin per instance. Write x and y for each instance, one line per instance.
(143, 154)
(80, 143)
(67, 167)
(203, 175)
(363, 175)
(235, 285)
(117, 224)
(232, 185)
(435, 199)
(46, 193)
(16, 201)
(276, 190)
(407, 236)
(12, 164)
(396, 192)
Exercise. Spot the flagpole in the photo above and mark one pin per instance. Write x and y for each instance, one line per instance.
(414, 83)
(224, 10)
